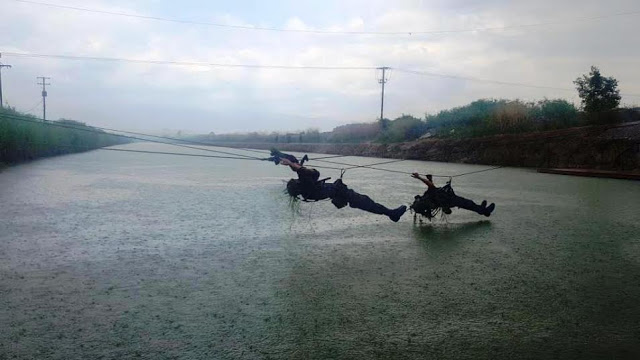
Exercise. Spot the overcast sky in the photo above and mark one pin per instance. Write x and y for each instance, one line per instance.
(200, 99)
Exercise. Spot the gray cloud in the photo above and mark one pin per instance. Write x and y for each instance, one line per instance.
(199, 99)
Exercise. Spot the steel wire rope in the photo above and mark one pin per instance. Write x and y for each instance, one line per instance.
(370, 166)
(183, 140)
(88, 129)
(274, 145)
(93, 129)
(329, 157)
(90, 148)
(104, 132)
(374, 164)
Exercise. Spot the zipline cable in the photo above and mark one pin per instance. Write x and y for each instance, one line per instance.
(30, 119)
(89, 148)
(88, 127)
(329, 157)
(172, 153)
(370, 166)
(479, 171)
(104, 132)
(202, 143)
(101, 131)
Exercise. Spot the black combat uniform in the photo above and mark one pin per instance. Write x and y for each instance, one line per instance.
(313, 189)
(444, 198)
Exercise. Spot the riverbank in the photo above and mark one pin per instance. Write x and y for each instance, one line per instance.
(593, 173)
(605, 147)
(24, 138)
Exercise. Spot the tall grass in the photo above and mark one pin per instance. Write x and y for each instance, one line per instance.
(23, 141)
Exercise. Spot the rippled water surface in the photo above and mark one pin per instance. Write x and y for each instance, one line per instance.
(125, 255)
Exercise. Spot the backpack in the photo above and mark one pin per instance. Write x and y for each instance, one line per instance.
(431, 202)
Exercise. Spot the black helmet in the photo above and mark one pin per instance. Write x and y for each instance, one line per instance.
(294, 188)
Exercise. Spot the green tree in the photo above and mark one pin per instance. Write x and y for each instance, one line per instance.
(404, 128)
(598, 93)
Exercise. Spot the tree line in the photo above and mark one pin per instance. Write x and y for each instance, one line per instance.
(484, 117)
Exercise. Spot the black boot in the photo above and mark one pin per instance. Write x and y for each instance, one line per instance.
(467, 204)
(396, 214)
(489, 210)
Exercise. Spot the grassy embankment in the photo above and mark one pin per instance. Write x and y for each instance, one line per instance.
(32, 139)
(483, 117)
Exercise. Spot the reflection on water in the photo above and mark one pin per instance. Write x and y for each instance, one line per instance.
(116, 255)
(447, 232)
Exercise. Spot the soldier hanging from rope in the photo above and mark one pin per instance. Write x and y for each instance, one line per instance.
(310, 188)
(436, 199)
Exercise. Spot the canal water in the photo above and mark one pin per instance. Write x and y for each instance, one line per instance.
(127, 255)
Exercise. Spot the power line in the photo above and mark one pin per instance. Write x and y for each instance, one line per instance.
(186, 63)
(34, 106)
(469, 78)
(497, 82)
(288, 67)
(330, 32)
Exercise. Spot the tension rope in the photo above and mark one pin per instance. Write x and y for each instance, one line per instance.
(228, 155)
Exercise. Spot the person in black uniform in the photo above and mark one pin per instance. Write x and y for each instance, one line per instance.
(310, 188)
(444, 198)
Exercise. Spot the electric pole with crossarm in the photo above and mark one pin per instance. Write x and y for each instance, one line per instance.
(2, 66)
(383, 80)
(44, 95)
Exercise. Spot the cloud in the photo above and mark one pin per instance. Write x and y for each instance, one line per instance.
(201, 98)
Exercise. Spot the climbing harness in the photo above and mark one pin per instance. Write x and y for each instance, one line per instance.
(434, 201)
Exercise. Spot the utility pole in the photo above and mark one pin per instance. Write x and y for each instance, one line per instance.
(383, 81)
(44, 95)
(2, 66)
